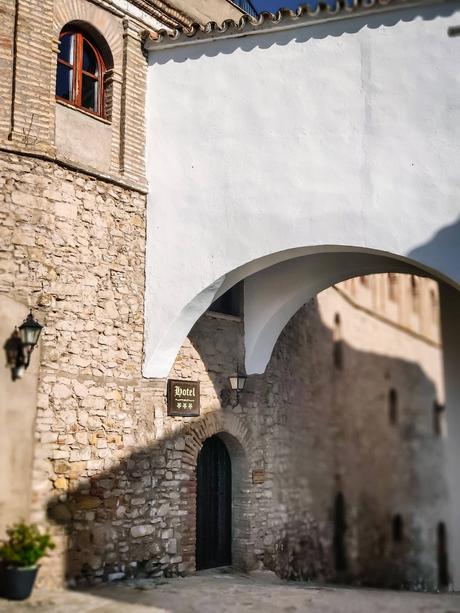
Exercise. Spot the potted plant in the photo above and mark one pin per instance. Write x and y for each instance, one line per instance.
(19, 555)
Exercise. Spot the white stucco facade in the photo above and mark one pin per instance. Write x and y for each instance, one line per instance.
(296, 157)
(281, 144)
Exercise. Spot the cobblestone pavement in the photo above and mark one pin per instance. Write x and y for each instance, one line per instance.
(217, 592)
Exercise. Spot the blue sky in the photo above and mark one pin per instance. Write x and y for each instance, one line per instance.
(274, 5)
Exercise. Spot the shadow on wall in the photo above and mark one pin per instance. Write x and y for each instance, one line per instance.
(308, 431)
(442, 252)
(266, 39)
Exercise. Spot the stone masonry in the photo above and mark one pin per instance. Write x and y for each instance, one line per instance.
(111, 474)
(116, 475)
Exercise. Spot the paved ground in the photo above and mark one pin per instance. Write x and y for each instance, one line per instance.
(217, 592)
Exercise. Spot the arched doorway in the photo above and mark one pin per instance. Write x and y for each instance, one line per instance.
(340, 527)
(443, 571)
(267, 311)
(214, 505)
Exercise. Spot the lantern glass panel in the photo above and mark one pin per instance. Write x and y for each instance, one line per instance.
(34, 335)
(241, 382)
(30, 331)
(237, 382)
(27, 335)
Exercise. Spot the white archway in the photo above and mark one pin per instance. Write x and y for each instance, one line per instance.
(298, 157)
(275, 287)
(290, 140)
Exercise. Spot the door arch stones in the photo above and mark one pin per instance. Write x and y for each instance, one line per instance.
(236, 438)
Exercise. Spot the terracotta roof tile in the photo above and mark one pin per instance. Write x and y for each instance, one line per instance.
(282, 19)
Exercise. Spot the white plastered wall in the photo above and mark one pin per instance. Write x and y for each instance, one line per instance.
(342, 133)
(294, 159)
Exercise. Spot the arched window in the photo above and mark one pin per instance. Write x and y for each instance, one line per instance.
(438, 418)
(80, 71)
(340, 528)
(338, 343)
(415, 293)
(393, 407)
(434, 305)
(397, 528)
(443, 563)
(392, 286)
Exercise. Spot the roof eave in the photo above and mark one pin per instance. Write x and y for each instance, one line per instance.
(283, 20)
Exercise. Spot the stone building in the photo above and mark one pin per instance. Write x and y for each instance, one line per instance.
(335, 452)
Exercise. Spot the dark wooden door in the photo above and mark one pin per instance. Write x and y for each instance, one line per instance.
(214, 505)
(340, 527)
(443, 571)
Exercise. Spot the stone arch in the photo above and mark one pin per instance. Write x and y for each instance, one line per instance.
(275, 287)
(236, 437)
(274, 291)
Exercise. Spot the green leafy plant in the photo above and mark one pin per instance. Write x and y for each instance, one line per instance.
(25, 545)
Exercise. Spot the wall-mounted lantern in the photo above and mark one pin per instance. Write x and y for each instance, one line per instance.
(237, 383)
(20, 345)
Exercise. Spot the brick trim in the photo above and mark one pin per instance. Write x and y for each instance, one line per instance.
(108, 26)
(236, 437)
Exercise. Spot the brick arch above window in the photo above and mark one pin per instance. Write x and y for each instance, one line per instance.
(100, 22)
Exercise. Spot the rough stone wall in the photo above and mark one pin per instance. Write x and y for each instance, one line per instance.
(116, 476)
(136, 514)
(73, 246)
(333, 426)
(310, 437)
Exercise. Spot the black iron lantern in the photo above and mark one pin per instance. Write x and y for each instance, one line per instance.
(20, 345)
(237, 383)
(30, 332)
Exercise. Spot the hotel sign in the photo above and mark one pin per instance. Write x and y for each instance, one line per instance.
(258, 476)
(183, 398)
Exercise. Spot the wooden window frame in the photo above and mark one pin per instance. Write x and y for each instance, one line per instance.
(78, 72)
